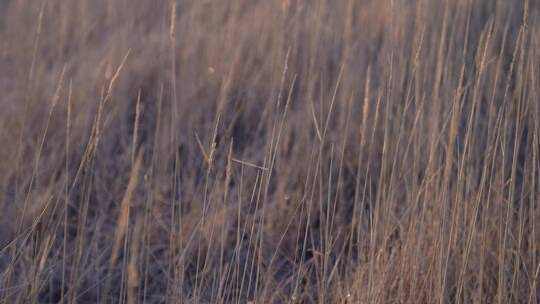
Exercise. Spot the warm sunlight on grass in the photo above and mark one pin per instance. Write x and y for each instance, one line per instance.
(269, 151)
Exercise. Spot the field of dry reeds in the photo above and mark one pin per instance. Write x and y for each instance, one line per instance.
(269, 151)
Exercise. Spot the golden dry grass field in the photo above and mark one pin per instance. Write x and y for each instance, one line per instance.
(269, 151)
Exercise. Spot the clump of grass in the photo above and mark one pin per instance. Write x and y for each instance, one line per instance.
(294, 151)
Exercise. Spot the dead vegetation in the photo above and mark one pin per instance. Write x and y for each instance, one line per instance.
(269, 151)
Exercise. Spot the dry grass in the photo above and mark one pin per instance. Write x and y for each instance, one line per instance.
(293, 151)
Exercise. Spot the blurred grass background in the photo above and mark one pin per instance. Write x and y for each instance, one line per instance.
(348, 151)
